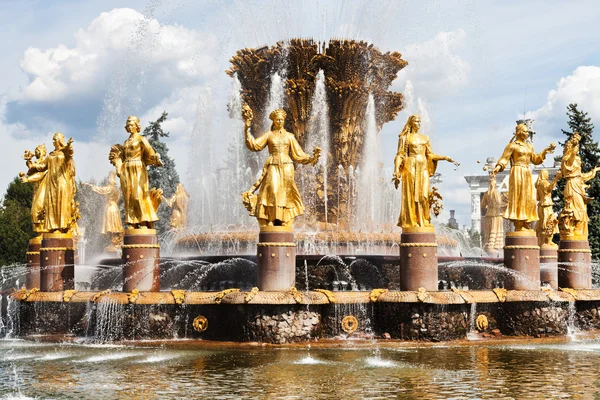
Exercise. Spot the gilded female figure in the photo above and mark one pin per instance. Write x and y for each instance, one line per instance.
(546, 227)
(521, 208)
(111, 221)
(59, 198)
(414, 164)
(574, 218)
(38, 178)
(278, 201)
(493, 203)
(130, 161)
(179, 204)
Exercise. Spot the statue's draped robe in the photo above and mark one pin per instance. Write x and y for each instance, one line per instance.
(545, 211)
(179, 203)
(111, 223)
(278, 197)
(137, 154)
(492, 203)
(59, 199)
(418, 163)
(521, 191)
(575, 195)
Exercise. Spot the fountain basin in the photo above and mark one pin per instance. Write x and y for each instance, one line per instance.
(287, 317)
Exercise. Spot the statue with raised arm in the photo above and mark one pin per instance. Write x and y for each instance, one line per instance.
(278, 200)
(414, 164)
(574, 218)
(521, 204)
(131, 161)
(179, 204)
(111, 221)
(60, 210)
(547, 224)
(38, 178)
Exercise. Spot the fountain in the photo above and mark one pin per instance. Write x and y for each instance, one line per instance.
(343, 269)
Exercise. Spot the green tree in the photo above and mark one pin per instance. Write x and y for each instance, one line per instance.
(590, 157)
(165, 177)
(15, 222)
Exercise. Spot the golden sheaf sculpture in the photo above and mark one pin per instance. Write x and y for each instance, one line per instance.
(521, 204)
(414, 164)
(131, 161)
(573, 219)
(278, 201)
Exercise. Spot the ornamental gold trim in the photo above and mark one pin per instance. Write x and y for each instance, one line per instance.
(140, 246)
(32, 253)
(574, 250)
(57, 249)
(418, 245)
(200, 323)
(276, 244)
(349, 324)
(523, 247)
(547, 257)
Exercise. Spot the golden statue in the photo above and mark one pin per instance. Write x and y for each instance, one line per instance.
(547, 225)
(131, 161)
(179, 204)
(60, 210)
(573, 218)
(36, 175)
(278, 201)
(415, 162)
(521, 209)
(493, 203)
(111, 222)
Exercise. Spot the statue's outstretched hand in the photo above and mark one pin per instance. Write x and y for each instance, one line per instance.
(396, 180)
(315, 156)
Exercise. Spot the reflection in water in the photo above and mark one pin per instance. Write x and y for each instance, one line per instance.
(538, 370)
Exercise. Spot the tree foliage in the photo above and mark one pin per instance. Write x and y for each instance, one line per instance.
(165, 177)
(590, 157)
(15, 222)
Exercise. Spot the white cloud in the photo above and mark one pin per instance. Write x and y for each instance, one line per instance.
(435, 67)
(119, 39)
(581, 87)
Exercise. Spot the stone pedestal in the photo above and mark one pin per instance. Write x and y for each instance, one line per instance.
(57, 268)
(33, 279)
(276, 259)
(522, 255)
(418, 259)
(549, 265)
(575, 261)
(141, 256)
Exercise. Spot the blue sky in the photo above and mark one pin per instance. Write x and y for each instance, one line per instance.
(474, 68)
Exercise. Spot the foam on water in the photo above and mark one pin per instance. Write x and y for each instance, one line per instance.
(156, 358)
(107, 357)
(308, 360)
(14, 357)
(379, 362)
(54, 356)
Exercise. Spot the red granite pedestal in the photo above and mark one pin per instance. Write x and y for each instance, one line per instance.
(548, 265)
(575, 262)
(141, 256)
(33, 279)
(522, 255)
(276, 259)
(418, 259)
(57, 265)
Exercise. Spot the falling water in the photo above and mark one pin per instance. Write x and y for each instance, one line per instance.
(369, 202)
(318, 134)
(572, 330)
(472, 334)
(276, 97)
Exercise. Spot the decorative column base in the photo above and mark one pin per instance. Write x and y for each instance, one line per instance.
(57, 257)
(276, 259)
(548, 265)
(141, 256)
(33, 279)
(418, 259)
(522, 255)
(575, 260)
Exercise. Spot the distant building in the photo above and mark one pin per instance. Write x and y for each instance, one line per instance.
(452, 223)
